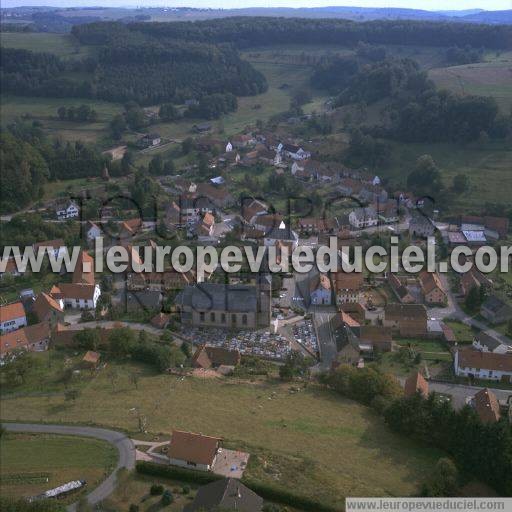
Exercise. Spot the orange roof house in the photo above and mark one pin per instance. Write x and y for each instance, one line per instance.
(193, 450)
(84, 269)
(416, 383)
(208, 357)
(91, 358)
(32, 338)
(12, 317)
(486, 406)
(48, 308)
(432, 288)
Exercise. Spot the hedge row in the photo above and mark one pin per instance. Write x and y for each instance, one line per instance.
(176, 473)
(266, 491)
(270, 493)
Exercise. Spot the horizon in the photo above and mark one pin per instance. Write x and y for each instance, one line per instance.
(425, 5)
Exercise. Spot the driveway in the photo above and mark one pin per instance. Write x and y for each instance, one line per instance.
(123, 444)
(461, 393)
(453, 310)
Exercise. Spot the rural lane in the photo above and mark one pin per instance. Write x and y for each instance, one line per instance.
(454, 311)
(123, 444)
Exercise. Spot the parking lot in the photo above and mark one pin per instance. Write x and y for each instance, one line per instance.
(260, 343)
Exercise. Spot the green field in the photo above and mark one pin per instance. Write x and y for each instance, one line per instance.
(32, 463)
(463, 333)
(135, 489)
(63, 45)
(488, 169)
(490, 78)
(297, 440)
(45, 110)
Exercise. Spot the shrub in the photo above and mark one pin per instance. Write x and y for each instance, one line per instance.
(167, 498)
(133, 508)
(185, 489)
(271, 493)
(156, 489)
(176, 473)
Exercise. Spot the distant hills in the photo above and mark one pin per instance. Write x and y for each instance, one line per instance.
(78, 15)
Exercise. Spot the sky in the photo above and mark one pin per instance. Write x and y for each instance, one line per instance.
(431, 5)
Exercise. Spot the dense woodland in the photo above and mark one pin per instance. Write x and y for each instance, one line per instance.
(416, 111)
(29, 160)
(132, 66)
(253, 31)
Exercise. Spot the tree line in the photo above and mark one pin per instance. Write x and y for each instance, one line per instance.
(480, 450)
(258, 31)
(28, 160)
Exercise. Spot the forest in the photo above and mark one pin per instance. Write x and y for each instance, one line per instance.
(254, 31)
(131, 66)
(29, 160)
(416, 110)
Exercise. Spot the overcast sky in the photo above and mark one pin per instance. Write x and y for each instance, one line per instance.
(417, 4)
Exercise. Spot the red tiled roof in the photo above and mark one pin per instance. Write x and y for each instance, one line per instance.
(470, 358)
(84, 269)
(415, 383)
(11, 311)
(192, 447)
(487, 406)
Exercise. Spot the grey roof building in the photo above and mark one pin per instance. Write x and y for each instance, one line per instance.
(225, 494)
(232, 306)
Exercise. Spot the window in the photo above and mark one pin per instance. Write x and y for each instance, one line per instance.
(212, 317)
(223, 318)
(201, 316)
(233, 319)
(244, 319)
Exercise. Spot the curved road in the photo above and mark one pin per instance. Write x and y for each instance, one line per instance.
(453, 310)
(123, 444)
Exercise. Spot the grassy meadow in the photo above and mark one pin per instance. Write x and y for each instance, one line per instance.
(62, 45)
(33, 463)
(493, 77)
(296, 440)
(488, 168)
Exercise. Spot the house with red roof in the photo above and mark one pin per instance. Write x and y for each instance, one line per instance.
(12, 317)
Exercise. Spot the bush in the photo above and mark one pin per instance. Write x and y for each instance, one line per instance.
(167, 498)
(379, 404)
(185, 489)
(176, 473)
(268, 492)
(156, 489)
(133, 508)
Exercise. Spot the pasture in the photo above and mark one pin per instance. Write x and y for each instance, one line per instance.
(490, 78)
(33, 463)
(313, 440)
(62, 45)
(487, 166)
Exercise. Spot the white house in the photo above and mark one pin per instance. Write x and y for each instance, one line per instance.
(294, 152)
(483, 365)
(229, 147)
(77, 295)
(92, 231)
(362, 218)
(12, 317)
(68, 210)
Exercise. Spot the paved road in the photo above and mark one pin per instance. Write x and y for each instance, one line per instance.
(325, 336)
(123, 444)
